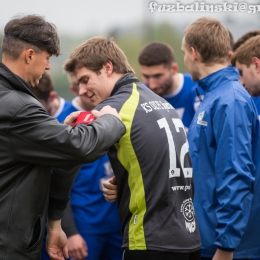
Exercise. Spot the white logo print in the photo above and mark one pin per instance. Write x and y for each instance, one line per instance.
(187, 210)
(87, 118)
(200, 117)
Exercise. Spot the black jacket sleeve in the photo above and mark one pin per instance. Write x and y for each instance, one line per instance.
(40, 139)
(36, 138)
(60, 187)
(68, 223)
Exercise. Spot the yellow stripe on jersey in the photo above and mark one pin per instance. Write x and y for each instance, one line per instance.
(127, 157)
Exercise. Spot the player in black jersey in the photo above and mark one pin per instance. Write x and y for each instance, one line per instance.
(151, 161)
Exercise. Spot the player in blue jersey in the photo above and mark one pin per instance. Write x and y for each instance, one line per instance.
(91, 224)
(160, 73)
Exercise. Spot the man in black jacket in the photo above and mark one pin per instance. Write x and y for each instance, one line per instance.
(32, 142)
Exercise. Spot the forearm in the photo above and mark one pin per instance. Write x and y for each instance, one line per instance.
(61, 184)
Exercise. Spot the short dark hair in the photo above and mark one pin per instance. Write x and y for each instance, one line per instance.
(156, 53)
(44, 88)
(30, 31)
(244, 38)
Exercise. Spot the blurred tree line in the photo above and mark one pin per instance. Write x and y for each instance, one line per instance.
(130, 40)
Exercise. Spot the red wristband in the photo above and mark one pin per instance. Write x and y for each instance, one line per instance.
(84, 118)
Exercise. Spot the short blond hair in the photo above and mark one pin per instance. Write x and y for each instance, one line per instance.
(94, 53)
(210, 38)
(248, 50)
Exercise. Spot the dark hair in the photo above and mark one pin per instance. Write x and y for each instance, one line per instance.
(244, 38)
(44, 88)
(30, 31)
(156, 53)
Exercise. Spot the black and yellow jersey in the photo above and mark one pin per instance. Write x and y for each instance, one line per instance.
(152, 166)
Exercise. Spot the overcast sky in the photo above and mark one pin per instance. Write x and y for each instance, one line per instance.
(76, 17)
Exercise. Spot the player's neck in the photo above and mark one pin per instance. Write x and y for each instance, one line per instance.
(207, 70)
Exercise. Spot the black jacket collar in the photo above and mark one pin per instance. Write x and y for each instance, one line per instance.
(124, 80)
(14, 82)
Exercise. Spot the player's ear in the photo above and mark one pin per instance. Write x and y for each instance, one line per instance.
(256, 62)
(230, 54)
(28, 55)
(53, 95)
(109, 68)
(174, 68)
(195, 54)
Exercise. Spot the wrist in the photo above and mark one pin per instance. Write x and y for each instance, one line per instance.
(54, 224)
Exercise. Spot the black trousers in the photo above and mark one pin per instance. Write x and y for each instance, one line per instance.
(159, 255)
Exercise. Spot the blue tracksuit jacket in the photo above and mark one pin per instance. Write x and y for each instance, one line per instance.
(223, 142)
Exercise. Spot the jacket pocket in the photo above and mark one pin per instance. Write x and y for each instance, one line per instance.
(34, 234)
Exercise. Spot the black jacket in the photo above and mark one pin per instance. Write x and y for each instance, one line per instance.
(153, 172)
(31, 142)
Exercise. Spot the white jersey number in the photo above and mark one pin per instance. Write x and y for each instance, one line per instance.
(174, 171)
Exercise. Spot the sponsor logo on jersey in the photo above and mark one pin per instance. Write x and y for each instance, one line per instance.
(200, 117)
(156, 105)
(135, 219)
(187, 210)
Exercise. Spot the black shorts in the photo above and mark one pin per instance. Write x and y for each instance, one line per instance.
(159, 255)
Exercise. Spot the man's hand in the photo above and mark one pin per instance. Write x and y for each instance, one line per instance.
(223, 255)
(110, 189)
(71, 119)
(56, 243)
(105, 110)
(78, 249)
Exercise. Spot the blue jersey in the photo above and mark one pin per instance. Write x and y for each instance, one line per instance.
(91, 212)
(184, 100)
(64, 110)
